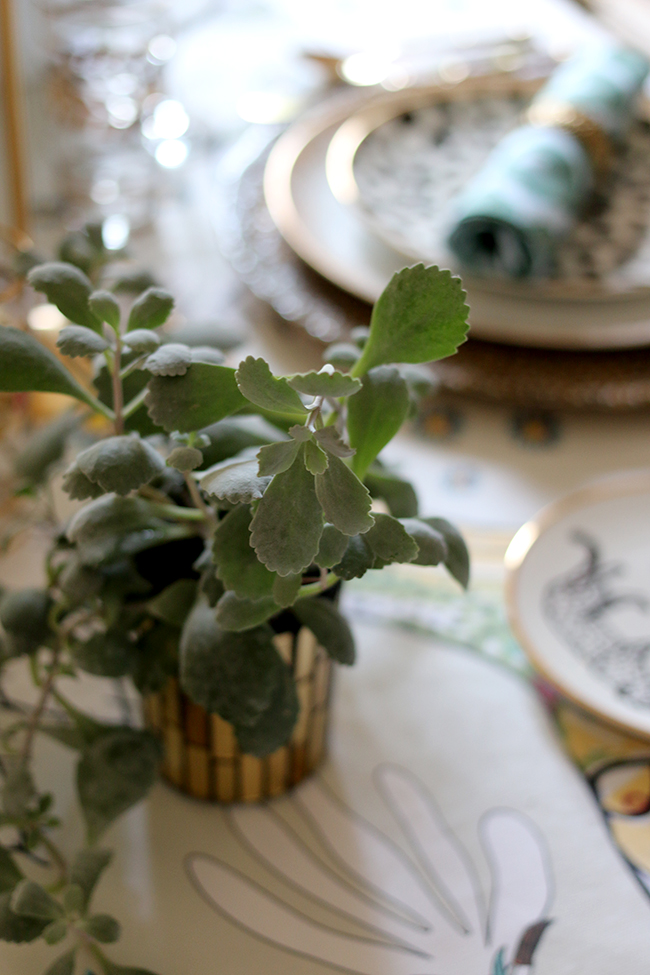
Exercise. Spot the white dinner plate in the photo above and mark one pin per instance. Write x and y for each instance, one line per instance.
(334, 240)
(578, 591)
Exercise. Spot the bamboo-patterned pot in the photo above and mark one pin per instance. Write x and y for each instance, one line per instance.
(200, 753)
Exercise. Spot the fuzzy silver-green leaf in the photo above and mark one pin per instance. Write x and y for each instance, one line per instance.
(261, 387)
(345, 500)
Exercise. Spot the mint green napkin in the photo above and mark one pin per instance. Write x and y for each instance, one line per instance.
(511, 217)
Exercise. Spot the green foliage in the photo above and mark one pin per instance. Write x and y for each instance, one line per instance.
(119, 464)
(18, 928)
(77, 340)
(114, 773)
(55, 932)
(63, 965)
(103, 928)
(29, 899)
(110, 528)
(26, 365)
(44, 447)
(230, 437)
(286, 589)
(174, 603)
(236, 481)
(261, 387)
(325, 383)
(457, 560)
(330, 441)
(316, 460)
(172, 359)
(24, 616)
(65, 286)
(10, 875)
(333, 544)
(288, 523)
(376, 414)
(277, 457)
(432, 547)
(356, 560)
(237, 564)
(345, 500)
(239, 676)
(205, 394)
(141, 341)
(185, 459)
(328, 626)
(399, 495)
(239, 613)
(104, 654)
(420, 316)
(87, 868)
(104, 306)
(150, 310)
(342, 355)
(390, 541)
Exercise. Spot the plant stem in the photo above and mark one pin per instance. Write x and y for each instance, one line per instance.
(118, 393)
(37, 713)
(134, 404)
(195, 495)
(175, 512)
(315, 588)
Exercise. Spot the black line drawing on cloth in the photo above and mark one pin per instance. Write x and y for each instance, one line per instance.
(422, 913)
(579, 605)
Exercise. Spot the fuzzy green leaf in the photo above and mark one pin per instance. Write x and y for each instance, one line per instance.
(15, 927)
(261, 387)
(31, 900)
(390, 541)
(274, 727)
(230, 437)
(420, 316)
(103, 928)
(277, 457)
(104, 306)
(376, 414)
(79, 487)
(345, 500)
(73, 899)
(55, 932)
(174, 603)
(238, 613)
(324, 383)
(172, 359)
(150, 310)
(231, 674)
(237, 564)
(110, 528)
(69, 289)
(288, 523)
(77, 340)
(286, 589)
(316, 460)
(357, 559)
(141, 340)
(24, 617)
(205, 394)
(104, 654)
(18, 790)
(63, 965)
(87, 868)
(235, 480)
(333, 544)
(45, 447)
(330, 441)
(27, 366)
(114, 773)
(457, 561)
(328, 626)
(399, 495)
(118, 464)
(10, 875)
(431, 543)
(300, 432)
(185, 459)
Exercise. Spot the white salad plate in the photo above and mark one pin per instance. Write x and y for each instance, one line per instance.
(335, 239)
(578, 591)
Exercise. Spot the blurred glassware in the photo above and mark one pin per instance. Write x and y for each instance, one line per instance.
(105, 80)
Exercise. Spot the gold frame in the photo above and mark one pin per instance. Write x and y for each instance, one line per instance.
(605, 489)
(13, 111)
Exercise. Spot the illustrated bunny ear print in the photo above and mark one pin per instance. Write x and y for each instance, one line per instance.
(265, 916)
(364, 854)
(521, 878)
(271, 840)
(441, 856)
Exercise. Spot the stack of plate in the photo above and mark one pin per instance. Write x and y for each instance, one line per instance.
(359, 188)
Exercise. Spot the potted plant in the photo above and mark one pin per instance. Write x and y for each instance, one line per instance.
(221, 508)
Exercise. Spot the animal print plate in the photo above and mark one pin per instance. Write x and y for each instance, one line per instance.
(579, 597)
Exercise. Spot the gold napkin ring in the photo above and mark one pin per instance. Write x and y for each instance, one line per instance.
(561, 115)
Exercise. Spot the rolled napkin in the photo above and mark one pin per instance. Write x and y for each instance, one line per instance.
(512, 215)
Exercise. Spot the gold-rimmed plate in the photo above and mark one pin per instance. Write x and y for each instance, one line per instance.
(578, 594)
(333, 239)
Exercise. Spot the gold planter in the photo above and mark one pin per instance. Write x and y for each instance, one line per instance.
(201, 756)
